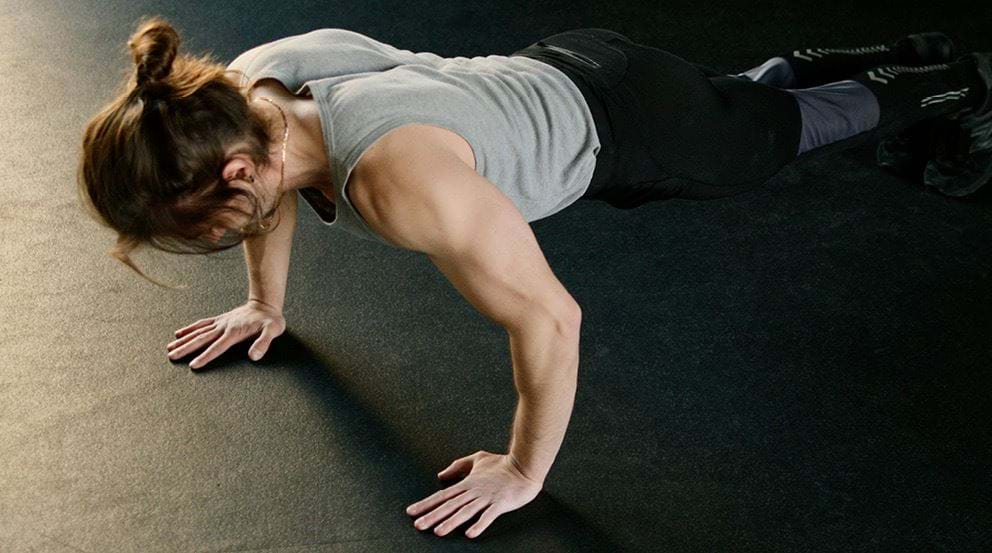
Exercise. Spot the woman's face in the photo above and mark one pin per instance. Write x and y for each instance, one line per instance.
(266, 186)
(235, 220)
(216, 234)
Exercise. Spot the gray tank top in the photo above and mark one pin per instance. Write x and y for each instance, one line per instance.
(529, 126)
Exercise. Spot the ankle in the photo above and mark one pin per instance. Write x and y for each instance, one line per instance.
(904, 52)
(979, 89)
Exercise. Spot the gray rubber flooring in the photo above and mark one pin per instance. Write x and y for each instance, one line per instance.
(804, 367)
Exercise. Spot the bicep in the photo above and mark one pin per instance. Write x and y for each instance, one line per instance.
(498, 266)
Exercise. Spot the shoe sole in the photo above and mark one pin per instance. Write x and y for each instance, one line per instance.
(904, 159)
(934, 178)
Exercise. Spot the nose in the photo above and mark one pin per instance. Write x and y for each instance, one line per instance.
(217, 234)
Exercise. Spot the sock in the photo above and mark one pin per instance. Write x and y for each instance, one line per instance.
(833, 112)
(883, 101)
(816, 66)
(908, 94)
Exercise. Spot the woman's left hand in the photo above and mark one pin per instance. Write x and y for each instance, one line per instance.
(493, 481)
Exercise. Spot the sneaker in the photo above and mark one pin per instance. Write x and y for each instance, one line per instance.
(906, 153)
(962, 161)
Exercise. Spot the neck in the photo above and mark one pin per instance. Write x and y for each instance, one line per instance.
(306, 155)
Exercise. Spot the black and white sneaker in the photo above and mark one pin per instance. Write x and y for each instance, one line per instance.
(906, 154)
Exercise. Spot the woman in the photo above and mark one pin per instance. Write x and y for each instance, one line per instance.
(192, 151)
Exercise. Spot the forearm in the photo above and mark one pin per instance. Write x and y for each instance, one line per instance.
(267, 256)
(545, 368)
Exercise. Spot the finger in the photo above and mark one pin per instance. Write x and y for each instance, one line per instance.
(194, 343)
(463, 514)
(194, 326)
(442, 512)
(186, 338)
(215, 349)
(261, 345)
(457, 467)
(487, 518)
(437, 497)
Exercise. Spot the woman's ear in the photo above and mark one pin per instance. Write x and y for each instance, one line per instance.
(238, 167)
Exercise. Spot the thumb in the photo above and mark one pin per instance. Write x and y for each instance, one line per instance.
(457, 466)
(261, 345)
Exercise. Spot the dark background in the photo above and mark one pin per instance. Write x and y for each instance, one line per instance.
(802, 367)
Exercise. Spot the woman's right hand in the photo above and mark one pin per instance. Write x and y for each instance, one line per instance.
(223, 331)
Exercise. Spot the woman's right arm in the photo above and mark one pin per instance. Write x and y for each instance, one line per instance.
(267, 256)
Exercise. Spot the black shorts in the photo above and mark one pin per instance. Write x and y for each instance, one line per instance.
(670, 128)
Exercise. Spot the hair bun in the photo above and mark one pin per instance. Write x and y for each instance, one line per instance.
(153, 46)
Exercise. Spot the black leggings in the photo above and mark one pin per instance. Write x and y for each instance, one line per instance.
(670, 128)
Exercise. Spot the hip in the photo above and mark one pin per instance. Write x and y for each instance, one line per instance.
(590, 58)
(669, 127)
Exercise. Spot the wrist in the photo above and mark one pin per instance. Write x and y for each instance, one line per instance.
(265, 303)
(520, 469)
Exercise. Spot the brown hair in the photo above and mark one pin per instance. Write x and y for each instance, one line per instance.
(151, 161)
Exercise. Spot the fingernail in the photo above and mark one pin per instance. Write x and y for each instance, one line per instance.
(254, 355)
(194, 366)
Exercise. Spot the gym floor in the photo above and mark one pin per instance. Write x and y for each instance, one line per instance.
(802, 367)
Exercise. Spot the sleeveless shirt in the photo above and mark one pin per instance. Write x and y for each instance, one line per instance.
(530, 129)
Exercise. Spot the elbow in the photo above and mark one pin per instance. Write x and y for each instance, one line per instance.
(551, 320)
(569, 320)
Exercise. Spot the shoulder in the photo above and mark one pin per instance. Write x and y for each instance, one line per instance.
(411, 180)
(424, 139)
(270, 86)
(408, 155)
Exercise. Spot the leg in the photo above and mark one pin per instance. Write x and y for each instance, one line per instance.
(774, 72)
(883, 101)
(684, 134)
(815, 66)
(809, 67)
(672, 129)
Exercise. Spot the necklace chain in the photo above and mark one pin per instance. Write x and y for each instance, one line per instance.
(285, 139)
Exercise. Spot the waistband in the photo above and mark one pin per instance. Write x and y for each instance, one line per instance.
(605, 158)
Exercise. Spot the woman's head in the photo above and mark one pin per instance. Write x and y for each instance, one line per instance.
(154, 161)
